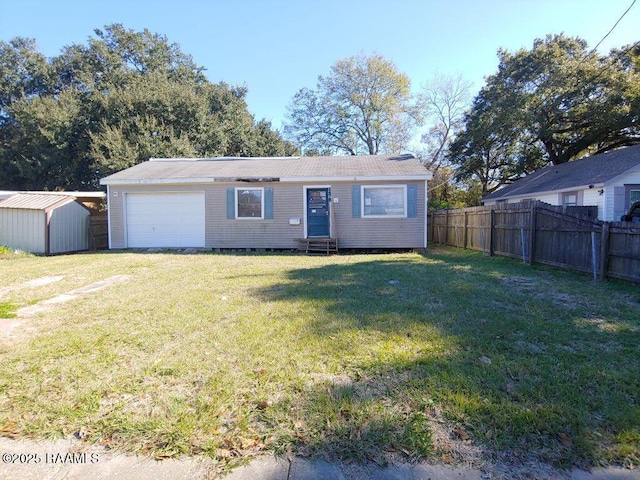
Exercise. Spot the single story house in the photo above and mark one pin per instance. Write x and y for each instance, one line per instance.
(376, 201)
(610, 181)
(47, 222)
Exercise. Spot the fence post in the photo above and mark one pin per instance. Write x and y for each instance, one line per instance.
(604, 251)
(466, 219)
(433, 226)
(446, 227)
(594, 257)
(491, 225)
(532, 233)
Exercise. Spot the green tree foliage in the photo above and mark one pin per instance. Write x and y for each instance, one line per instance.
(554, 103)
(120, 99)
(445, 192)
(363, 107)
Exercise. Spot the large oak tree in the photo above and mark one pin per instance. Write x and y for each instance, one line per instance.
(552, 104)
(117, 100)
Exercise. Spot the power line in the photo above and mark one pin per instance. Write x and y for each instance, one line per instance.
(606, 66)
(614, 26)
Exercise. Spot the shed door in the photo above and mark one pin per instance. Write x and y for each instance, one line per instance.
(173, 219)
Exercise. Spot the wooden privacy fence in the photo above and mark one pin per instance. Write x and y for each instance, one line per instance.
(98, 232)
(541, 233)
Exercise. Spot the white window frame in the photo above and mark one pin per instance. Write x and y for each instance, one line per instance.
(565, 194)
(398, 186)
(261, 217)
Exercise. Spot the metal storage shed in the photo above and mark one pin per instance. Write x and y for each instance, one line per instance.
(44, 223)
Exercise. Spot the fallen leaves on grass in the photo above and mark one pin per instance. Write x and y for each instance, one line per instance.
(460, 433)
(484, 360)
(565, 439)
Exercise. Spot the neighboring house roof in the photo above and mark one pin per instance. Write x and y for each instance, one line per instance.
(252, 169)
(595, 170)
(35, 201)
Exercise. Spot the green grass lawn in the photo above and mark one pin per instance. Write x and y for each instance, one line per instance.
(351, 357)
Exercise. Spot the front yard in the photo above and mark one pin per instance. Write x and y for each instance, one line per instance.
(451, 356)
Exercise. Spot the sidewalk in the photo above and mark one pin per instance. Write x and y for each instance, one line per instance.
(69, 460)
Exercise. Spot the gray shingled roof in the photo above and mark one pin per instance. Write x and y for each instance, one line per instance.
(594, 170)
(225, 169)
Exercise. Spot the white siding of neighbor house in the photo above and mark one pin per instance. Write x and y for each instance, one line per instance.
(630, 178)
(23, 229)
(591, 198)
(288, 204)
(586, 198)
(69, 228)
(550, 198)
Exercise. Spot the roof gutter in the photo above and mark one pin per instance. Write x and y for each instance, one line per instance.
(545, 192)
(200, 180)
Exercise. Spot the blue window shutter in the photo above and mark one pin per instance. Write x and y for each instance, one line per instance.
(412, 201)
(231, 203)
(355, 201)
(268, 202)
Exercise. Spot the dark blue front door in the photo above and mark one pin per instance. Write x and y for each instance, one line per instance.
(317, 212)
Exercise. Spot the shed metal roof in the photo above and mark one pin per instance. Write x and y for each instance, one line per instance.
(594, 170)
(35, 201)
(284, 169)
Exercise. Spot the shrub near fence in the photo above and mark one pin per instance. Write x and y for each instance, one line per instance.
(537, 232)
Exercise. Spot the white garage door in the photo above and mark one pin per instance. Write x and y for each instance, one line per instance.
(165, 219)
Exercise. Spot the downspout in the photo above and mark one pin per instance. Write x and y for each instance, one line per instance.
(109, 216)
(426, 216)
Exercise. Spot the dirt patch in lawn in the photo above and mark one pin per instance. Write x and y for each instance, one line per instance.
(538, 288)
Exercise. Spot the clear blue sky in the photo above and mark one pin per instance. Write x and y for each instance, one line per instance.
(276, 47)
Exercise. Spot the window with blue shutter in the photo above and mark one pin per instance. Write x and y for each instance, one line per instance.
(249, 202)
(388, 201)
(268, 203)
(355, 201)
(412, 201)
(231, 203)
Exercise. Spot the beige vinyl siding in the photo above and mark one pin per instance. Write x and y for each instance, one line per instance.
(377, 232)
(221, 232)
(23, 229)
(116, 216)
(252, 232)
(288, 203)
